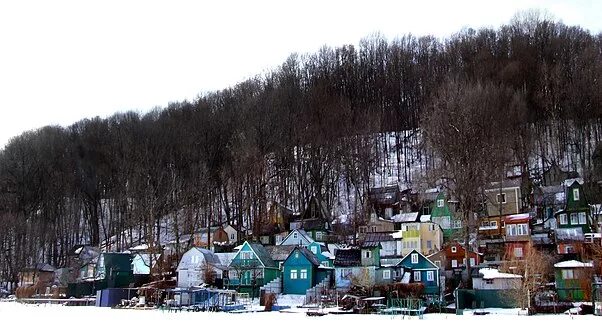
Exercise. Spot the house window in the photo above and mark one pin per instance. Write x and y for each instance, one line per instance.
(297, 255)
(522, 229)
(501, 198)
(472, 262)
(582, 218)
(574, 219)
(295, 235)
(280, 264)
(319, 235)
(430, 276)
(245, 255)
(386, 274)
(414, 258)
(510, 230)
(454, 263)
(457, 223)
(374, 229)
(488, 281)
(454, 249)
(368, 254)
(417, 276)
(303, 274)
(429, 245)
(293, 274)
(493, 224)
(576, 194)
(567, 274)
(563, 219)
(314, 249)
(232, 236)
(439, 203)
(325, 263)
(518, 252)
(438, 263)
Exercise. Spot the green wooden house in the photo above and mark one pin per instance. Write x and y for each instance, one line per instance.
(320, 250)
(443, 215)
(573, 279)
(576, 212)
(423, 271)
(302, 270)
(114, 270)
(251, 268)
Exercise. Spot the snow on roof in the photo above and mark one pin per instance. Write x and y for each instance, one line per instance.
(573, 264)
(237, 247)
(139, 247)
(398, 234)
(425, 218)
(406, 217)
(328, 255)
(521, 216)
(491, 273)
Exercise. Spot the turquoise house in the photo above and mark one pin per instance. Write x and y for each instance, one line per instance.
(422, 270)
(301, 271)
(320, 250)
(251, 268)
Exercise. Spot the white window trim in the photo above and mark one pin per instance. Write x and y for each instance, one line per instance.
(576, 194)
(454, 249)
(303, 274)
(563, 219)
(430, 275)
(293, 274)
(440, 203)
(454, 263)
(417, 277)
(503, 197)
(386, 274)
(414, 258)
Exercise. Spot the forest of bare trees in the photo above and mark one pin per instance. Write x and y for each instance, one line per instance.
(313, 126)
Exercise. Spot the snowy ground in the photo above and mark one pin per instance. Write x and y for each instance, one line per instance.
(15, 315)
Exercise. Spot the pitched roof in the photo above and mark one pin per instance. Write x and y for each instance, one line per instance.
(348, 257)
(492, 273)
(279, 252)
(573, 264)
(308, 255)
(419, 255)
(210, 256)
(301, 232)
(406, 217)
(263, 255)
(378, 237)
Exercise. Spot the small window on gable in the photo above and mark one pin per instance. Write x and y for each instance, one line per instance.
(438, 263)
(297, 254)
(454, 249)
(440, 203)
(314, 249)
(501, 198)
(368, 254)
(414, 258)
(576, 194)
(295, 235)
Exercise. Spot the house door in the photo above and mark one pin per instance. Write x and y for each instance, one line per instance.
(246, 277)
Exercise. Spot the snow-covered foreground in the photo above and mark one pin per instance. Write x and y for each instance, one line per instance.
(16, 316)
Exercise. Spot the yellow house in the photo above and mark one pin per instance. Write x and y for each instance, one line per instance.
(425, 237)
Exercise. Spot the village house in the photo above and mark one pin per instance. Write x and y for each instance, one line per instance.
(385, 201)
(517, 235)
(493, 279)
(297, 237)
(576, 213)
(315, 220)
(198, 266)
(443, 214)
(208, 237)
(375, 225)
(302, 271)
(251, 268)
(573, 280)
(40, 274)
(452, 259)
(422, 270)
(425, 237)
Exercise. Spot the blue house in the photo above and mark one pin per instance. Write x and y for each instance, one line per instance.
(251, 268)
(301, 271)
(423, 271)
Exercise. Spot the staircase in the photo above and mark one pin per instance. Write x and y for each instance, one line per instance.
(274, 286)
(314, 294)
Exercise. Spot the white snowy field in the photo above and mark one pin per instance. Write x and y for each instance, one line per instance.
(19, 316)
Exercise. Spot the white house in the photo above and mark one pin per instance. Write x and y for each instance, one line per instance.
(493, 279)
(194, 265)
(297, 237)
(232, 234)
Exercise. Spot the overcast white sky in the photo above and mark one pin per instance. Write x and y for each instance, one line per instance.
(61, 61)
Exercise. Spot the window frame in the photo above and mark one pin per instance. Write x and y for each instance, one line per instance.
(417, 276)
(303, 274)
(386, 274)
(503, 198)
(576, 194)
(430, 275)
(440, 203)
(293, 274)
(414, 258)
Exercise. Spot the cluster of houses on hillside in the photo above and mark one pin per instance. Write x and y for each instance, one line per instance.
(408, 238)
